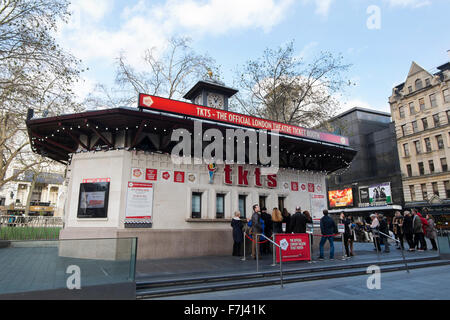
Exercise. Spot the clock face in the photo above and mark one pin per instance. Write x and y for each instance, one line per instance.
(215, 100)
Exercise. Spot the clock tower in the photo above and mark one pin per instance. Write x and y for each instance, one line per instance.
(210, 93)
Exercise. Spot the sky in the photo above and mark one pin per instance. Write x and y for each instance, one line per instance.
(379, 38)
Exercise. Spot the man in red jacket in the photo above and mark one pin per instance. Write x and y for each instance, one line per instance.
(424, 226)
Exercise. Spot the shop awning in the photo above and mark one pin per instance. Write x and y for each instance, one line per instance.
(367, 209)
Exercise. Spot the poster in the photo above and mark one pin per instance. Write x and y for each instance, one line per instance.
(92, 200)
(295, 247)
(380, 194)
(318, 204)
(178, 176)
(341, 198)
(151, 174)
(294, 185)
(137, 174)
(166, 176)
(139, 205)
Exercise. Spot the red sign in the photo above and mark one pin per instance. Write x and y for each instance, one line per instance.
(184, 108)
(151, 174)
(96, 180)
(294, 186)
(294, 247)
(310, 187)
(178, 176)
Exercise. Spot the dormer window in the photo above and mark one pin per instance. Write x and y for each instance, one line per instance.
(419, 84)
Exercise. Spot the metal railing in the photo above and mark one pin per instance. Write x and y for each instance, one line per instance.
(401, 247)
(257, 255)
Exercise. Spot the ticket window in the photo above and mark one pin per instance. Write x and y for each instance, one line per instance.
(243, 205)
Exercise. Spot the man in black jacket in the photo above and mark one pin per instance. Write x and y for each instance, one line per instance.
(384, 228)
(256, 228)
(267, 218)
(298, 221)
(328, 228)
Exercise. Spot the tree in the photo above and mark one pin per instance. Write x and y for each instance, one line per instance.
(281, 87)
(169, 75)
(34, 73)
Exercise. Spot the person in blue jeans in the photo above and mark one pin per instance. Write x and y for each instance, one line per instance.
(328, 228)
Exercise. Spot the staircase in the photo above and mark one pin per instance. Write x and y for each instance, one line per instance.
(189, 285)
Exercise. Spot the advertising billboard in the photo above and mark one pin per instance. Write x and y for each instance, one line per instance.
(375, 195)
(340, 198)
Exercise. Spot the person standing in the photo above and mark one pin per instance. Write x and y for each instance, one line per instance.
(347, 232)
(397, 223)
(418, 232)
(309, 220)
(298, 221)
(408, 230)
(256, 228)
(384, 229)
(265, 247)
(424, 229)
(286, 220)
(238, 236)
(328, 229)
(431, 231)
(277, 219)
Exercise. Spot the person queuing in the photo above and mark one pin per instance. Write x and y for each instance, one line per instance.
(384, 232)
(397, 225)
(310, 221)
(238, 236)
(286, 220)
(374, 228)
(418, 232)
(256, 228)
(277, 220)
(267, 218)
(408, 230)
(328, 229)
(431, 232)
(298, 221)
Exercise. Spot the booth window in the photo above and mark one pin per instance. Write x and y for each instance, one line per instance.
(242, 205)
(93, 200)
(281, 203)
(220, 206)
(196, 205)
(262, 201)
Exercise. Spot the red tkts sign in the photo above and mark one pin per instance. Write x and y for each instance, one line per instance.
(151, 174)
(294, 247)
(184, 108)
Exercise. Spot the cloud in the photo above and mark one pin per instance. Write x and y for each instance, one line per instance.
(322, 6)
(408, 3)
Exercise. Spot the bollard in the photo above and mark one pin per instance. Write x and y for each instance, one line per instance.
(274, 263)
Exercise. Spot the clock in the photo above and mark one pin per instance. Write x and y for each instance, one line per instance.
(215, 100)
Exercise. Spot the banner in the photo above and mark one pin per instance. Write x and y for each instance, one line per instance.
(294, 247)
(202, 112)
(340, 198)
(375, 195)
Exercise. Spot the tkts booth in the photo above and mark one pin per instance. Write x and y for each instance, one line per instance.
(123, 180)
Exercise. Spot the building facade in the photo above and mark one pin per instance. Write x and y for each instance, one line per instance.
(421, 111)
(375, 168)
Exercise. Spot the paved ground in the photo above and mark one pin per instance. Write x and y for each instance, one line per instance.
(216, 265)
(421, 284)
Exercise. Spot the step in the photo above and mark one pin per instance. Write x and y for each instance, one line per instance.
(275, 280)
(140, 284)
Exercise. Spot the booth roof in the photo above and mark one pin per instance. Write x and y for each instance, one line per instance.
(59, 136)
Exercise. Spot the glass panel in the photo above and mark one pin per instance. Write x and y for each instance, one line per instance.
(220, 206)
(242, 205)
(196, 205)
(47, 265)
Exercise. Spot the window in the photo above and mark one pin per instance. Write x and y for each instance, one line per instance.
(433, 100)
(423, 186)
(436, 119)
(422, 104)
(409, 89)
(448, 116)
(419, 84)
(415, 127)
(409, 170)
(243, 205)
(412, 110)
(447, 189)
(281, 203)
(404, 129)
(428, 144)
(401, 112)
(446, 94)
(425, 123)
(444, 164)
(262, 201)
(427, 82)
(413, 193)
(440, 142)
(196, 205)
(435, 188)
(418, 147)
(421, 169)
(406, 149)
(220, 206)
(431, 165)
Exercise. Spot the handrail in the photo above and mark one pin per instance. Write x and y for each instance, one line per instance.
(257, 256)
(401, 247)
